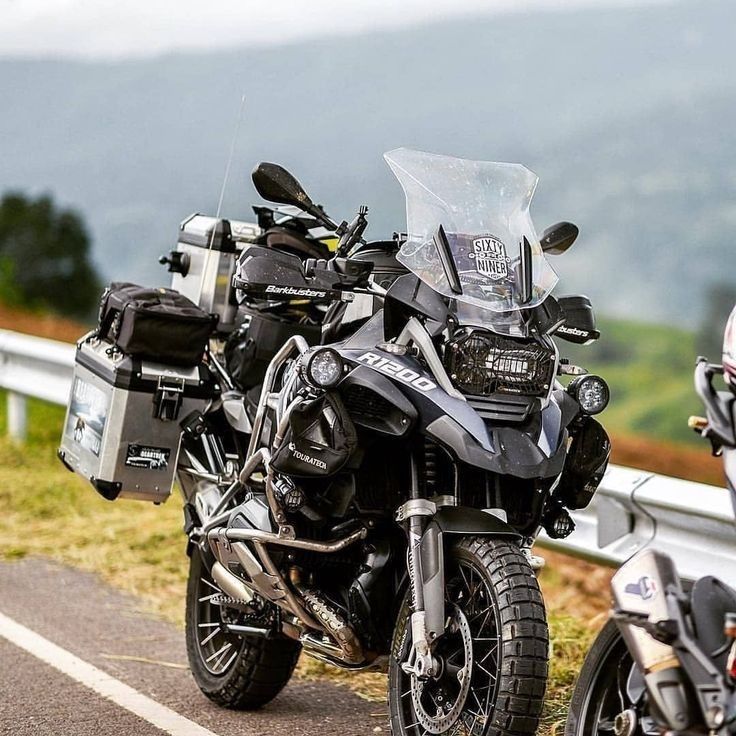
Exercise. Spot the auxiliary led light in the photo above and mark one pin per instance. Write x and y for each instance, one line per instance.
(324, 368)
(591, 392)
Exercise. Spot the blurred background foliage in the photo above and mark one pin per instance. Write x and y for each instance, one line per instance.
(618, 107)
(45, 256)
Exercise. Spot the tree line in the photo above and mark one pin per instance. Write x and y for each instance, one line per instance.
(45, 257)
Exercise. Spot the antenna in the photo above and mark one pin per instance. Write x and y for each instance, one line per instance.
(222, 196)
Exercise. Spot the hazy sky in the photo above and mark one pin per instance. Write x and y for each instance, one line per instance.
(115, 28)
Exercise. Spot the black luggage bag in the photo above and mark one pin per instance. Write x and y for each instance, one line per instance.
(154, 324)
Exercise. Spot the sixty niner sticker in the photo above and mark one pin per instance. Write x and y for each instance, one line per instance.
(489, 257)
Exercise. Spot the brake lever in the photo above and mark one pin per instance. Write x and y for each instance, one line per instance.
(701, 427)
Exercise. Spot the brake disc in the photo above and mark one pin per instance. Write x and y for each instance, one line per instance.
(444, 710)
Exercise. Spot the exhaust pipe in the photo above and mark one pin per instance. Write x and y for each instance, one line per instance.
(308, 606)
(641, 587)
(230, 584)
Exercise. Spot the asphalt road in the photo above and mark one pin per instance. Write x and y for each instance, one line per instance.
(97, 624)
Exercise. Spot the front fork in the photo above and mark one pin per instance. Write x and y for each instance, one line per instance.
(425, 564)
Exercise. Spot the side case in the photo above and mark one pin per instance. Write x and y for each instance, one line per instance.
(122, 429)
(210, 249)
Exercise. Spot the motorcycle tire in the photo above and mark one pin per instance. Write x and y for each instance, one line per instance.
(498, 633)
(241, 672)
(607, 685)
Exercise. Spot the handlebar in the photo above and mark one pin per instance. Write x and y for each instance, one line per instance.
(718, 425)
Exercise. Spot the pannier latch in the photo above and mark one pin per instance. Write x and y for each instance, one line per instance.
(168, 397)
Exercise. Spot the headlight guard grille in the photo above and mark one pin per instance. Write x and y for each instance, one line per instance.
(481, 363)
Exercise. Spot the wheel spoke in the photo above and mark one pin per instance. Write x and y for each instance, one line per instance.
(465, 580)
(485, 687)
(486, 619)
(230, 661)
(491, 651)
(222, 656)
(218, 652)
(209, 637)
(476, 616)
(480, 705)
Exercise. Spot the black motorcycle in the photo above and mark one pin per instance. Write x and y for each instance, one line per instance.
(397, 473)
(666, 660)
(372, 442)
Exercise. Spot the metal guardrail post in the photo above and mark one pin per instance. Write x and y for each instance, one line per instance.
(32, 367)
(17, 416)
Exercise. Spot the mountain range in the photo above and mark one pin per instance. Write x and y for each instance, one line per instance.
(625, 114)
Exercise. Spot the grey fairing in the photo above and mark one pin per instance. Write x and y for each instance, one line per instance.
(533, 449)
(431, 403)
(515, 452)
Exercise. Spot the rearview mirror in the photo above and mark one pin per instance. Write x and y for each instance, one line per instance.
(557, 238)
(275, 184)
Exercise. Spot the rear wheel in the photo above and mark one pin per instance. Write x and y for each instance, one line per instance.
(493, 656)
(236, 671)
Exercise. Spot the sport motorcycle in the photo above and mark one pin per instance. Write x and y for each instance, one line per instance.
(666, 660)
(385, 435)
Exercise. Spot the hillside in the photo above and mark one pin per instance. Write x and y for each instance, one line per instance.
(41, 324)
(650, 371)
(620, 111)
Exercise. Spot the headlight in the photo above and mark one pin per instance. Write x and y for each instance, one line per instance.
(323, 368)
(480, 363)
(591, 392)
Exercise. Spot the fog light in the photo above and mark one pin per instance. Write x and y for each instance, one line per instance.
(591, 392)
(323, 368)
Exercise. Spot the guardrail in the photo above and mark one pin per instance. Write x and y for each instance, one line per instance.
(36, 367)
(633, 509)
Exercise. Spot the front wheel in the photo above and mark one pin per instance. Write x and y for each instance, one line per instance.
(493, 655)
(609, 694)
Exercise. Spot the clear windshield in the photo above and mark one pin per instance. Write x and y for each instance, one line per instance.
(480, 210)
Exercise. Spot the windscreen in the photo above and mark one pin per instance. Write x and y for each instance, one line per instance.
(478, 213)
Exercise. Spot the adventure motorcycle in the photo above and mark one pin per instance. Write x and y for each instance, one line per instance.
(666, 661)
(385, 439)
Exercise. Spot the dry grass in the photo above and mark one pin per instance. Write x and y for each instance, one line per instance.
(139, 548)
(41, 324)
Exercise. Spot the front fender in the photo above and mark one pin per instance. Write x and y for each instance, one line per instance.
(467, 520)
(450, 520)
